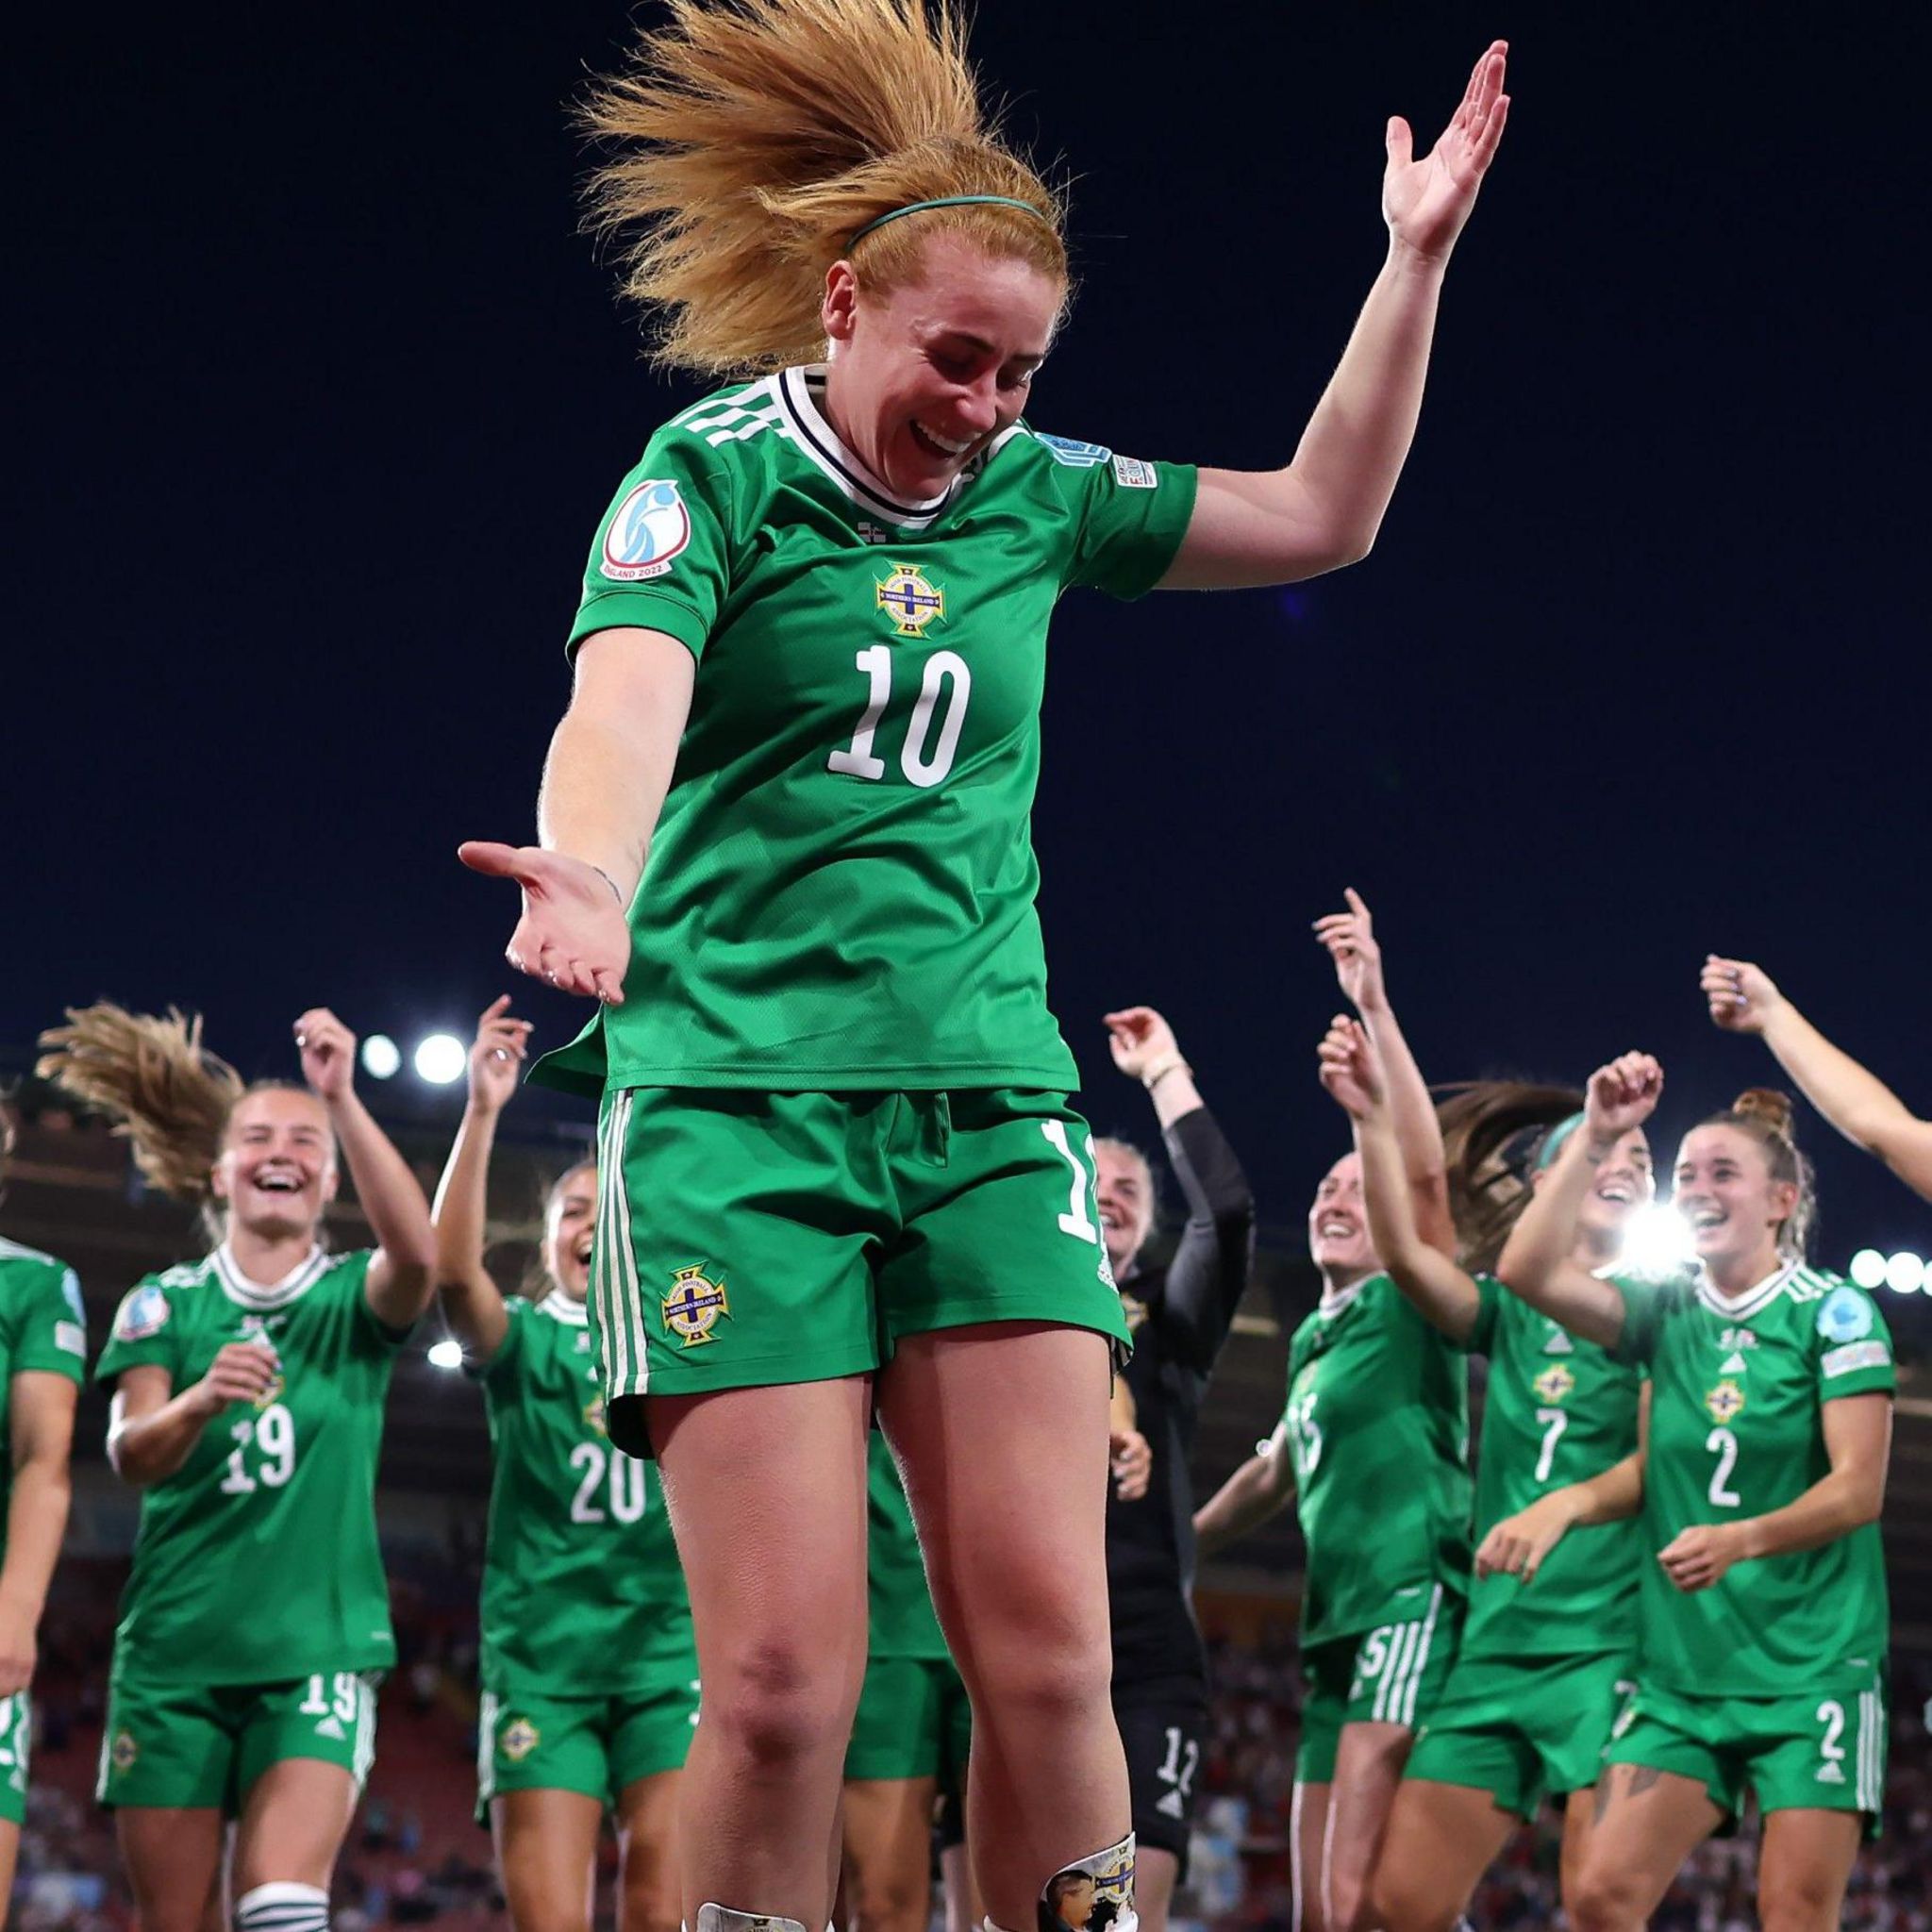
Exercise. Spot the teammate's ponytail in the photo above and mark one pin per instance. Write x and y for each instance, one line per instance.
(749, 142)
(1491, 1132)
(1769, 1118)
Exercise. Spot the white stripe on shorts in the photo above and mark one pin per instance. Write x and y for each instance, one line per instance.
(617, 1333)
(485, 1748)
(630, 1294)
(1421, 1658)
(365, 1731)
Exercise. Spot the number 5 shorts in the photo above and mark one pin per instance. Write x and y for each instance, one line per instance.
(748, 1238)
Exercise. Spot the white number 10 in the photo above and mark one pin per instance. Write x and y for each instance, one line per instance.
(945, 672)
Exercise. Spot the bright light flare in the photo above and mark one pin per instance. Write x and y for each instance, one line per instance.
(1657, 1238)
(382, 1058)
(445, 1353)
(441, 1059)
(1904, 1272)
(1868, 1267)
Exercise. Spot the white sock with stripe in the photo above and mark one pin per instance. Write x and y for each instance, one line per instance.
(282, 1905)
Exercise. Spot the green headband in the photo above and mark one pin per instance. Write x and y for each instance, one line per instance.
(1553, 1144)
(914, 207)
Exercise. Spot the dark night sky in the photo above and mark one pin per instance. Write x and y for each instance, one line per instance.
(319, 396)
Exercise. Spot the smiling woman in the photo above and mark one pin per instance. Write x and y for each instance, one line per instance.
(248, 1392)
(837, 1155)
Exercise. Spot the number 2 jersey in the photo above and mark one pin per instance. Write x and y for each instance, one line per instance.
(256, 1560)
(1377, 1423)
(840, 888)
(1735, 1430)
(582, 1593)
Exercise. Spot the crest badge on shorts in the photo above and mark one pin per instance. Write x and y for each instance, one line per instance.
(646, 531)
(695, 1305)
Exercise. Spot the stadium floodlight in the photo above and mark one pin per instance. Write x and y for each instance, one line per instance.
(1868, 1267)
(440, 1059)
(1657, 1238)
(1904, 1272)
(382, 1058)
(446, 1354)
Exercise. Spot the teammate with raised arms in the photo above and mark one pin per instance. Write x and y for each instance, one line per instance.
(1764, 1621)
(588, 1671)
(248, 1392)
(1178, 1313)
(809, 667)
(42, 1364)
(1539, 1680)
(1372, 1447)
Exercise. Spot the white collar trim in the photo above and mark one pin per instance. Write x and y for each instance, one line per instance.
(238, 1287)
(1755, 1298)
(559, 1307)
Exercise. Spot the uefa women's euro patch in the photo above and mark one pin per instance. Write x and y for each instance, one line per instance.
(1846, 1316)
(645, 532)
(144, 1313)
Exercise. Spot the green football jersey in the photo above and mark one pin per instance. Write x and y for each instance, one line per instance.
(42, 1330)
(1735, 1430)
(1558, 1410)
(256, 1560)
(1377, 1423)
(840, 889)
(582, 1591)
(904, 1624)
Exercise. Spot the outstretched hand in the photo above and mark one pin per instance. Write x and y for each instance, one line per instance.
(1741, 996)
(497, 1054)
(573, 932)
(1426, 201)
(1621, 1096)
(1350, 938)
(1351, 1070)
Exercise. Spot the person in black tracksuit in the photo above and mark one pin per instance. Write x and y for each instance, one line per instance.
(1179, 1316)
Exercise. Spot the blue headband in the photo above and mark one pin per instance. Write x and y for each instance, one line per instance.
(949, 201)
(1553, 1144)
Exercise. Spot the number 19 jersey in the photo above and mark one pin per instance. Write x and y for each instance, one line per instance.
(1735, 1430)
(256, 1560)
(582, 1593)
(840, 889)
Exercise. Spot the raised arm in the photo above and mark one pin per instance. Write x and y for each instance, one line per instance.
(1350, 938)
(610, 764)
(1855, 1100)
(472, 1303)
(1324, 508)
(1209, 1274)
(1262, 1487)
(1441, 1293)
(1538, 1261)
(1857, 1443)
(39, 1407)
(400, 1277)
(152, 1431)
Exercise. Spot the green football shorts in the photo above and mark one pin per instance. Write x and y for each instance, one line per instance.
(1821, 1749)
(1523, 1728)
(749, 1238)
(172, 1745)
(1391, 1675)
(16, 1742)
(595, 1745)
(913, 1720)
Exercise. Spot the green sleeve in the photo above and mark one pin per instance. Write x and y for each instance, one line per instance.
(499, 1374)
(661, 558)
(50, 1326)
(1852, 1346)
(1129, 518)
(1481, 1340)
(372, 1331)
(1646, 1307)
(144, 1334)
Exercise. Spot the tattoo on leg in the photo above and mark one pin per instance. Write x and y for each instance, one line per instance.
(1603, 1798)
(1643, 1778)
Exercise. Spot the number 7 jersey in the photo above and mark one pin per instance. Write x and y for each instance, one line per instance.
(840, 889)
(1736, 1431)
(257, 1561)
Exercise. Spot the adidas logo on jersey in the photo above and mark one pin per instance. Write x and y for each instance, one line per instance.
(1558, 1342)
(1734, 1365)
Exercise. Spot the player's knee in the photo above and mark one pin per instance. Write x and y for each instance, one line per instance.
(889, 1902)
(1605, 1899)
(775, 1702)
(1042, 1662)
(650, 1897)
(1350, 1908)
(282, 1905)
(1405, 1900)
(1806, 1902)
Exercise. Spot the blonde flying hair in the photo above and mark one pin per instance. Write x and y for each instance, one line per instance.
(747, 143)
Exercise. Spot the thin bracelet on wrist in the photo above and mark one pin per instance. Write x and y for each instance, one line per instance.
(1174, 1063)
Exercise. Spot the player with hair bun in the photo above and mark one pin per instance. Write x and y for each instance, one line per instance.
(1763, 1621)
(248, 1392)
(588, 1671)
(42, 1364)
(809, 665)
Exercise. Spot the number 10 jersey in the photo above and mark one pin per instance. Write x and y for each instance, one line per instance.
(840, 889)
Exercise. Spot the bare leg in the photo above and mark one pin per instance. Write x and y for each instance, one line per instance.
(1804, 1869)
(1368, 1769)
(1441, 1839)
(292, 1824)
(766, 1491)
(963, 1909)
(1307, 1855)
(1644, 1824)
(1002, 1432)
(546, 1850)
(889, 1853)
(647, 1853)
(173, 1856)
(1579, 1822)
(1155, 1872)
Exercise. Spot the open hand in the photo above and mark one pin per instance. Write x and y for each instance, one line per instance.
(573, 932)
(1350, 938)
(498, 1052)
(1425, 202)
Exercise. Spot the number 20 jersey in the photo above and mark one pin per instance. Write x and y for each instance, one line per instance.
(256, 1560)
(840, 889)
(582, 1593)
(1735, 1430)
